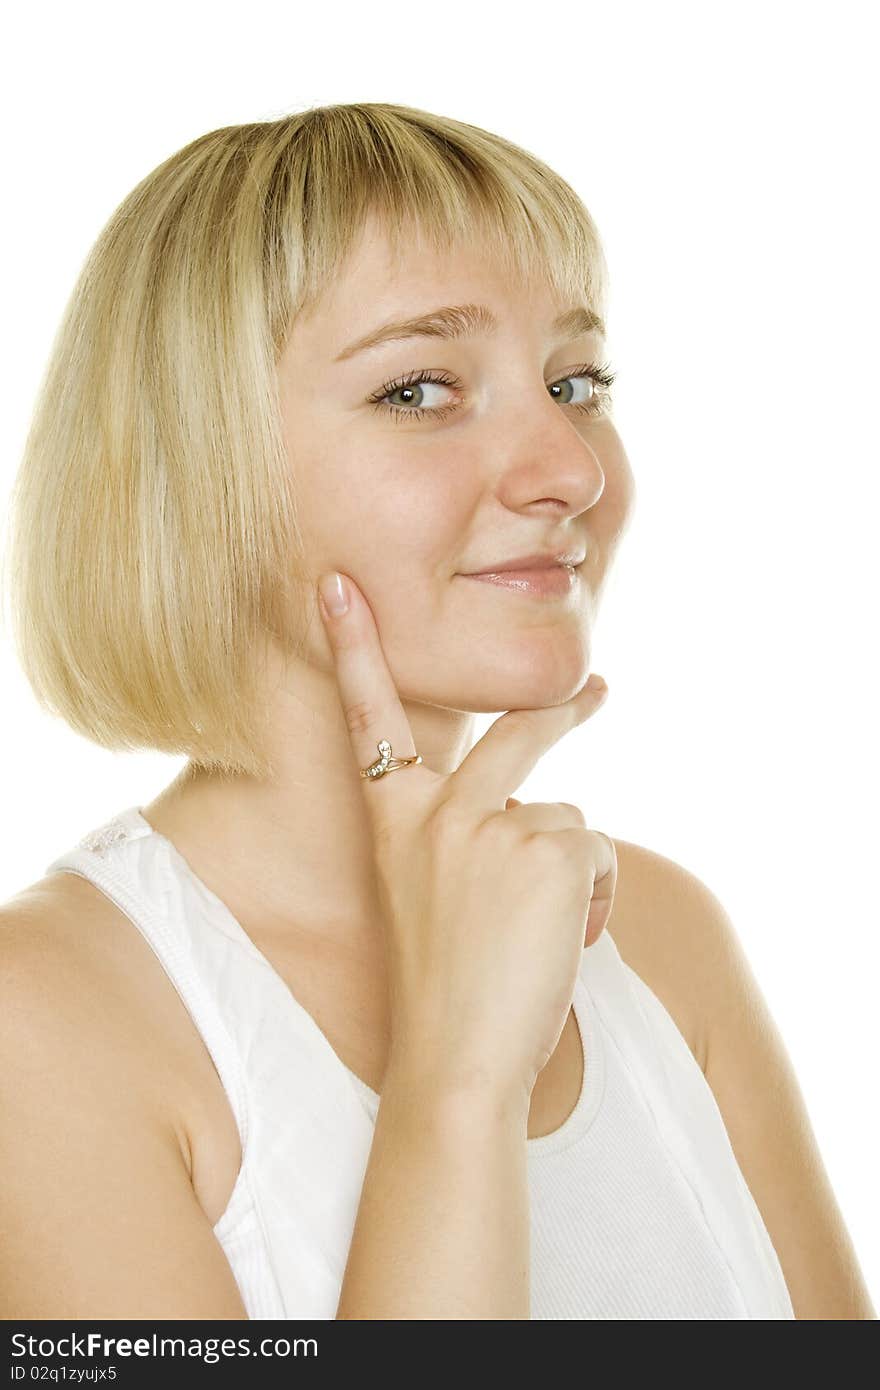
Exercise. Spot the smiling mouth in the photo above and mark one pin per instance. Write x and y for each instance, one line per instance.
(555, 581)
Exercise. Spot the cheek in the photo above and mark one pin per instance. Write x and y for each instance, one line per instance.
(425, 527)
(612, 512)
(421, 508)
(390, 518)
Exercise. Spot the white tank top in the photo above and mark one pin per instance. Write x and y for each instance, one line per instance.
(638, 1208)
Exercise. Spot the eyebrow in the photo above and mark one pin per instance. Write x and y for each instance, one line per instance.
(463, 321)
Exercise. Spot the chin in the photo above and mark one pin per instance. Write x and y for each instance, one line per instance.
(496, 696)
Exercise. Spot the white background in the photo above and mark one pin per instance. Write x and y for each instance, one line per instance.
(728, 154)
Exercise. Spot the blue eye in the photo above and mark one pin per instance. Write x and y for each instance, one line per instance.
(601, 379)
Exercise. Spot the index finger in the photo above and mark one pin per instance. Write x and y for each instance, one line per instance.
(500, 761)
(370, 702)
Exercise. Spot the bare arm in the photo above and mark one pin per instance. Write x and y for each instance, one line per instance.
(97, 1210)
(442, 1230)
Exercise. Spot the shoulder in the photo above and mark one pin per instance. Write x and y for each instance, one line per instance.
(76, 987)
(97, 1204)
(673, 930)
(62, 934)
(48, 942)
(668, 927)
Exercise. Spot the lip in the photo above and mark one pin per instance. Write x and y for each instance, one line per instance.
(522, 563)
(546, 581)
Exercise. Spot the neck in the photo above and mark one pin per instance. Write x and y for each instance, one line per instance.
(293, 856)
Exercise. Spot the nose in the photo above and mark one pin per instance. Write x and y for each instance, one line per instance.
(546, 461)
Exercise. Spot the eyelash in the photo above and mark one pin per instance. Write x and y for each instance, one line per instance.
(601, 375)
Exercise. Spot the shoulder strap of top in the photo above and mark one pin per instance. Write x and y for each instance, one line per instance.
(119, 857)
(305, 1135)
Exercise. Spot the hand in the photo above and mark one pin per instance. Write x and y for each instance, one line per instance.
(488, 902)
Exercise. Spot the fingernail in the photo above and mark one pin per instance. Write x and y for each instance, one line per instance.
(334, 593)
(596, 682)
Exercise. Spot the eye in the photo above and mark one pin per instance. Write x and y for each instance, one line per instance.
(411, 385)
(598, 380)
(594, 389)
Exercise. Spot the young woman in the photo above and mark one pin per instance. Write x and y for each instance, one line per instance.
(336, 1026)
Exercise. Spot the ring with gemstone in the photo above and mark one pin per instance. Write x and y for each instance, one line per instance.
(386, 763)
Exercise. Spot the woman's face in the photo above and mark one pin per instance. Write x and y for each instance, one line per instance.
(492, 467)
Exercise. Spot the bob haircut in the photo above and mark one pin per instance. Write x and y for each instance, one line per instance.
(153, 538)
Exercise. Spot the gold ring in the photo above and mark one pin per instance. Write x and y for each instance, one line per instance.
(385, 763)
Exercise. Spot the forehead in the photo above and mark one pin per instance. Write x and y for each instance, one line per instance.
(374, 286)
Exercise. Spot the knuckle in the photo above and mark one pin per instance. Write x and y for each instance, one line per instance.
(550, 852)
(499, 832)
(359, 717)
(448, 818)
(610, 843)
(579, 839)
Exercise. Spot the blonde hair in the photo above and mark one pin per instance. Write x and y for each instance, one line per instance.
(153, 522)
